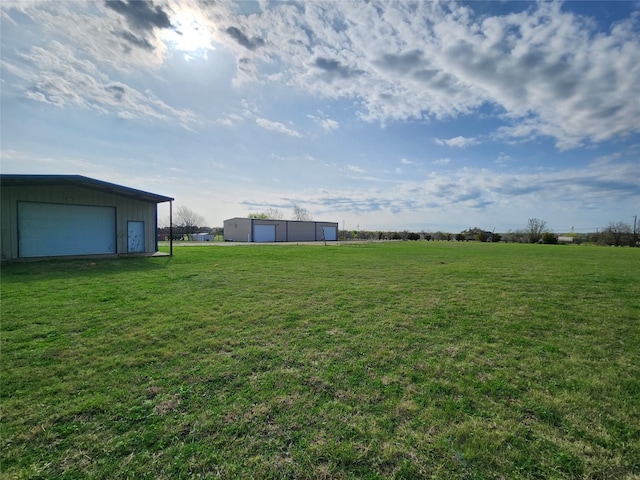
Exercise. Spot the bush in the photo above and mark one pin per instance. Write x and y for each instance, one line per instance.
(413, 236)
(549, 238)
(480, 237)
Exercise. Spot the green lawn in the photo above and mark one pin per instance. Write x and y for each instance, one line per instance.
(375, 360)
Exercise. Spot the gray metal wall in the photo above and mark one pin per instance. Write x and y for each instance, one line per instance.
(237, 229)
(302, 232)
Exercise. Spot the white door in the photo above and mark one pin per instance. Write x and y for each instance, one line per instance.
(330, 233)
(50, 229)
(135, 237)
(264, 233)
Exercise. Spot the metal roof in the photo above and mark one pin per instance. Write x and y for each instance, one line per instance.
(13, 180)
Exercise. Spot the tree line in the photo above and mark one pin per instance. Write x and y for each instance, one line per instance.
(535, 231)
(188, 222)
(299, 214)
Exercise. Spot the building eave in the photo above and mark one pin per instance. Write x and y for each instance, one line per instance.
(14, 180)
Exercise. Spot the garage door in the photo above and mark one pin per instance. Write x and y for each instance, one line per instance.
(330, 233)
(264, 233)
(46, 229)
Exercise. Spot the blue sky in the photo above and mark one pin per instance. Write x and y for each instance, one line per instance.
(377, 115)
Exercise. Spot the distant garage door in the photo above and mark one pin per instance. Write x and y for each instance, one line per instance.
(330, 233)
(47, 229)
(264, 233)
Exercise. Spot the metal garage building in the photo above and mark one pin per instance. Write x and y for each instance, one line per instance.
(61, 215)
(264, 230)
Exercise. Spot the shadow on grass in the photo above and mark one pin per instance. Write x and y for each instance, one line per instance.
(47, 269)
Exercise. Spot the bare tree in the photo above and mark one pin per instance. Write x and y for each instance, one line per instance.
(187, 219)
(534, 229)
(163, 222)
(617, 233)
(269, 213)
(301, 214)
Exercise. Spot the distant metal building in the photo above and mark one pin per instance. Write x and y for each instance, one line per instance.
(71, 215)
(266, 230)
(201, 237)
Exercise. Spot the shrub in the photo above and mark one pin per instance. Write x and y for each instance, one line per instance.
(550, 238)
(480, 237)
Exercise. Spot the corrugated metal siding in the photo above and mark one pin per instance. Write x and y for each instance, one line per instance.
(127, 210)
(237, 229)
(301, 231)
(8, 240)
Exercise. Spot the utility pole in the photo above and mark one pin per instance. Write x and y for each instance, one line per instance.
(635, 234)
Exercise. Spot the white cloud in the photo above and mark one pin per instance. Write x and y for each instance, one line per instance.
(230, 120)
(23, 162)
(478, 195)
(62, 75)
(442, 161)
(96, 30)
(277, 127)
(329, 124)
(549, 71)
(326, 124)
(355, 169)
(405, 161)
(459, 142)
(503, 159)
(126, 115)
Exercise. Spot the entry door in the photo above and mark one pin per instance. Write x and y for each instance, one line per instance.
(135, 237)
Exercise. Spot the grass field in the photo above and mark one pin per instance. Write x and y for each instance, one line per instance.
(375, 360)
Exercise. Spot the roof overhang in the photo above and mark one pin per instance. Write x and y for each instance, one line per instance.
(11, 180)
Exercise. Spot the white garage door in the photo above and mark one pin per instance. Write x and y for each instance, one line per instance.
(264, 233)
(47, 229)
(330, 233)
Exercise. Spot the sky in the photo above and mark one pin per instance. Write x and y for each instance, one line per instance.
(419, 116)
